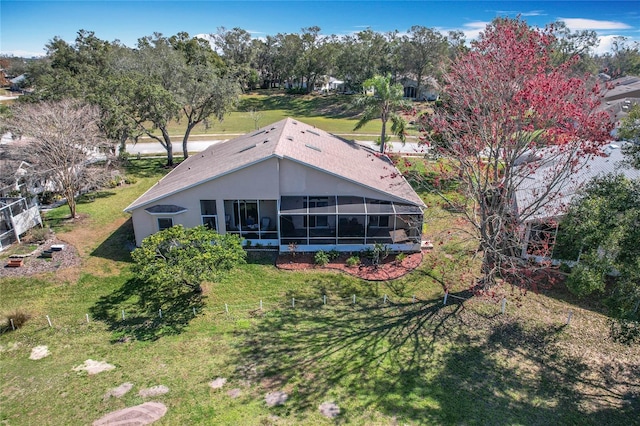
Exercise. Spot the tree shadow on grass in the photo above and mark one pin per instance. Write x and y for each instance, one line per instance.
(148, 314)
(429, 364)
(90, 197)
(118, 245)
(334, 106)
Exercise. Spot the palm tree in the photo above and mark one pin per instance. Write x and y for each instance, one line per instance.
(383, 104)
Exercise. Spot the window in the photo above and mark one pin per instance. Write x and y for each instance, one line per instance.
(316, 222)
(164, 223)
(379, 221)
(316, 204)
(208, 212)
(210, 222)
(208, 207)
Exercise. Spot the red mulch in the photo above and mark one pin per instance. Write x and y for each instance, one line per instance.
(388, 269)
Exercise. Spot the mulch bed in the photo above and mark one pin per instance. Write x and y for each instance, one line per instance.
(388, 269)
(35, 264)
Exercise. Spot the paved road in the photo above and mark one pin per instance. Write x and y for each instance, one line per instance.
(147, 148)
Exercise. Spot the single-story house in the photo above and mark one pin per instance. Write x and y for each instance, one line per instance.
(332, 84)
(428, 90)
(540, 219)
(288, 185)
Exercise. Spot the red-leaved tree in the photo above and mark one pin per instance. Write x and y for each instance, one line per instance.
(508, 114)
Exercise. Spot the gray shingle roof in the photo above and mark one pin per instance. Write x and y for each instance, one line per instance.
(558, 199)
(293, 140)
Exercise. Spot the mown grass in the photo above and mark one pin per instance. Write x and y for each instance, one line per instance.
(334, 114)
(401, 362)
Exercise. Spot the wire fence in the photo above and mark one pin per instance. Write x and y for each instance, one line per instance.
(273, 304)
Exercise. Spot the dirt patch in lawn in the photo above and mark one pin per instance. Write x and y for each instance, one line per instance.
(390, 268)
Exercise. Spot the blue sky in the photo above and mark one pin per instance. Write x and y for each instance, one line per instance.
(26, 26)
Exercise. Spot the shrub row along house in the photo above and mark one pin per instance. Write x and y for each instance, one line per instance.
(288, 185)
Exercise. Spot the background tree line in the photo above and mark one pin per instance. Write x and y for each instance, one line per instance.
(140, 89)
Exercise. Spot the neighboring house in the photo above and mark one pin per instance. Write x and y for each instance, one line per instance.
(428, 90)
(288, 185)
(17, 83)
(541, 223)
(332, 84)
(620, 96)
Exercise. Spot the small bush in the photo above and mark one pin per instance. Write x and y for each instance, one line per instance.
(400, 257)
(625, 331)
(130, 180)
(353, 261)
(39, 235)
(19, 318)
(321, 258)
(48, 197)
(334, 254)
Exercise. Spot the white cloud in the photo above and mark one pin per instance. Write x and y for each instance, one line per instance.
(472, 30)
(516, 13)
(208, 38)
(606, 42)
(592, 24)
(23, 53)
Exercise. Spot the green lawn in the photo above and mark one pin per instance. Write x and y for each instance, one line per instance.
(395, 363)
(334, 114)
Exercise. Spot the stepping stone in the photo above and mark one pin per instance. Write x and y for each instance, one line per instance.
(39, 352)
(94, 367)
(329, 409)
(143, 414)
(275, 398)
(218, 383)
(234, 393)
(153, 391)
(119, 391)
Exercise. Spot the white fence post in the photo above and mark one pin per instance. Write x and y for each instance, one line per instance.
(354, 299)
(324, 299)
(504, 305)
(49, 321)
(569, 317)
(226, 308)
(87, 316)
(293, 302)
(13, 327)
(446, 294)
(260, 304)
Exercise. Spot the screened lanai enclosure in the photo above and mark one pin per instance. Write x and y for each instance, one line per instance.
(17, 216)
(347, 222)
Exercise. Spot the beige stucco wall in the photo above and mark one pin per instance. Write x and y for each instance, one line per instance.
(297, 179)
(266, 180)
(259, 181)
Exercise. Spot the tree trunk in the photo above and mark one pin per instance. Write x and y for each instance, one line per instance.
(418, 80)
(185, 139)
(71, 202)
(383, 133)
(168, 146)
